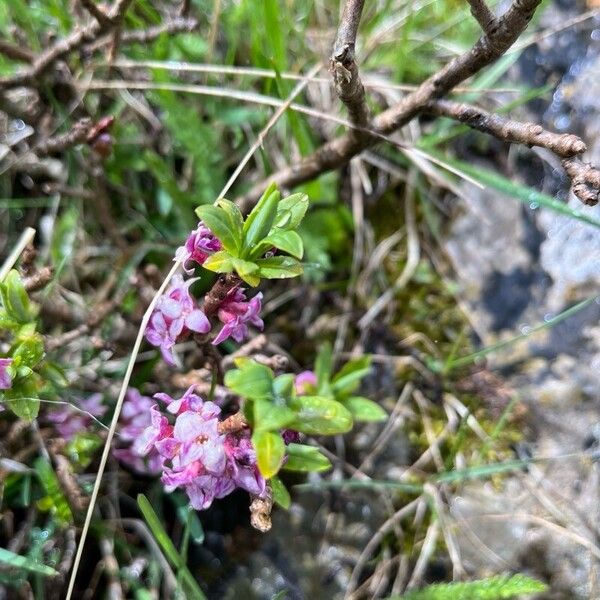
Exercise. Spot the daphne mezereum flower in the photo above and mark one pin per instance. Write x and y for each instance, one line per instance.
(190, 402)
(5, 378)
(241, 463)
(68, 421)
(236, 312)
(200, 244)
(196, 457)
(176, 313)
(135, 419)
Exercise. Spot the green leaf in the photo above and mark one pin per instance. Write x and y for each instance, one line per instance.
(324, 366)
(15, 299)
(23, 562)
(288, 241)
(219, 262)
(291, 211)
(363, 409)
(30, 349)
(22, 398)
(55, 499)
(270, 450)
(347, 379)
(236, 220)
(160, 535)
(260, 220)
(270, 417)
(283, 386)
(493, 588)
(280, 493)
(219, 221)
(317, 415)
(250, 380)
(279, 267)
(247, 271)
(305, 458)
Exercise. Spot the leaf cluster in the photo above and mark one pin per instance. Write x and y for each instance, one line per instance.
(249, 244)
(30, 372)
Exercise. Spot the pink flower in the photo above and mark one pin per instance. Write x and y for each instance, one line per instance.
(195, 456)
(159, 429)
(241, 464)
(200, 244)
(69, 421)
(236, 312)
(305, 383)
(135, 419)
(5, 378)
(175, 314)
(190, 401)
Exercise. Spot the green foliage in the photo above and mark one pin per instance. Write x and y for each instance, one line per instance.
(271, 404)
(188, 583)
(271, 224)
(30, 373)
(493, 588)
(24, 563)
(54, 501)
(340, 386)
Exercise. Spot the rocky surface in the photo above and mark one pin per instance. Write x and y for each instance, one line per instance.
(520, 266)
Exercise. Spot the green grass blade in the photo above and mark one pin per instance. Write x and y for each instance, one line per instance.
(471, 358)
(22, 562)
(525, 194)
(160, 535)
(493, 588)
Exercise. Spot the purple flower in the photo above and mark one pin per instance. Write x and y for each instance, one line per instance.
(194, 455)
(135, 419)
(190, 401)
(158, 430)
(236, 312)
(5, 378)
(69, 421)
(305, 383)
(175, 314)
(241, 464)
(200, 244)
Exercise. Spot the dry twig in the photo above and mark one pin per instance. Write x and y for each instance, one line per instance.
(340, 150)
(343, 66)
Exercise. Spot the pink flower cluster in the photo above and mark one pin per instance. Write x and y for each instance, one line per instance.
(135, 418)
(71, 419)
(177, 314)
(200, 244)
(195, 455)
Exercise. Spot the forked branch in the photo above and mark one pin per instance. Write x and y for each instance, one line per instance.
(343, 66)
(585, 178)
(339, 151)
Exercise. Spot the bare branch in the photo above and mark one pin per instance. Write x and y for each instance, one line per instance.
(96, 12)
(15, 52)
(76, 135)
(565, 145)
(31, 75)
(143, 36)
(483, 15)
(585, 180)
(339, 151)
(343, 65)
